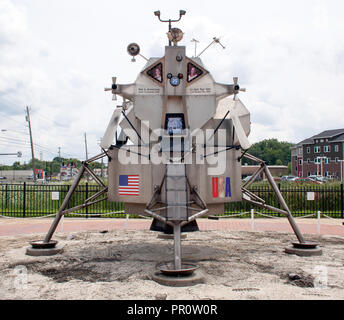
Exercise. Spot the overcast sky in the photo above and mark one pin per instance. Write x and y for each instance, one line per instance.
(56, 56)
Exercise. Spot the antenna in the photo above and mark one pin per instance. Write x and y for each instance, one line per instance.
(215, 40)
(181, 13)
(113, 88)
(195, 41)
(134, 49)
(237, 88)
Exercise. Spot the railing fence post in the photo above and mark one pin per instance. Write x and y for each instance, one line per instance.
(252, 219)
(6, 197)
(341, 201)
(61, 224)
(86, 198)
(24, 199)
(318, 216)
(278, 203)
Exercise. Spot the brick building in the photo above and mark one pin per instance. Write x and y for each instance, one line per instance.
(276, 171)
(321, 154)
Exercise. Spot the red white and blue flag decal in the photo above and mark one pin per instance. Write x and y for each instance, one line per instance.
(129, 185)
(221, 187)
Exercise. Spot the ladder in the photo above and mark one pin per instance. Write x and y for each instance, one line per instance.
(176, 186)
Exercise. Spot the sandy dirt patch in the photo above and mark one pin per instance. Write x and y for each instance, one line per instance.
(119, 265)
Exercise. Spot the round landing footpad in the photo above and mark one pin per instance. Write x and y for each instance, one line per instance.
(170, 236)
(308, 248)
(167, 268)
(188, 275)
(43, 245)
(41, 248)
(305, 245)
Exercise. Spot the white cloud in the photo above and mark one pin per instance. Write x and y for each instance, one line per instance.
(58, 56)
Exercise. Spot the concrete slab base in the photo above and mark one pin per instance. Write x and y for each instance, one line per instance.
(304, 252)
(182, 281)
(44, 252)
(170, 236)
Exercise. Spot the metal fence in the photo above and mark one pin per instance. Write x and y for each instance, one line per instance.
(328, 198)
(29, 200)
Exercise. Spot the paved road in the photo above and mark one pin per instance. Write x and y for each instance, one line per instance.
(11, 227)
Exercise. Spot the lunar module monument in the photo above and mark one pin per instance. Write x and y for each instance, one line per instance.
(174, 149)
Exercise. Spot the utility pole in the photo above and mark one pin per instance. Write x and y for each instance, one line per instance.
(60, 161)
(31, 141)
(86, 153)
(102, 162)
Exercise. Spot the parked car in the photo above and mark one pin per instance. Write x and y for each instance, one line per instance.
(293, 179)
(3, 178)
(248, 177)
(288, 178)
(317, 178)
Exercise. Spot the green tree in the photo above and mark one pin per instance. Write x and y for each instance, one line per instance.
(16, 165)
(52, 167)
(272, 151)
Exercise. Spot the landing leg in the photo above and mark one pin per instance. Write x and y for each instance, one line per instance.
(64, 205)
(284, 205)
(178, 274)
(303, 247)
(177, 247)
(48, 247)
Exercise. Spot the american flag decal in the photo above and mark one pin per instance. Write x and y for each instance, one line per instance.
(129, 185)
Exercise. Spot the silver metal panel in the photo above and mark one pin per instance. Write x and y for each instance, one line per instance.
(145, 180)
(175, 67)
(177, 143)
(176, 198)
(200, 109)
(176, 170)
(174, 105)
(176, 192)
(198, 176)
(147, 106)
(174, 184)
(124, 124)
(244, 115)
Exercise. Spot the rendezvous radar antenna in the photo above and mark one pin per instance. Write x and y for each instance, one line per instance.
(162, 165)
(195, 41)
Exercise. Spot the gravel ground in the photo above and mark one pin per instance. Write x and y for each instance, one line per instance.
(119, 265)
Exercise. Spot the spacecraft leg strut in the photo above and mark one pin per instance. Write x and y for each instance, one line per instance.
(302, 247)
(177, 246)
(64, 205)
(46, 247)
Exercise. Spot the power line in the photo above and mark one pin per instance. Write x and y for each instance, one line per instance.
(49, 119)
(11, 130)
(7, 117)
(10, 139)
(23, 142)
